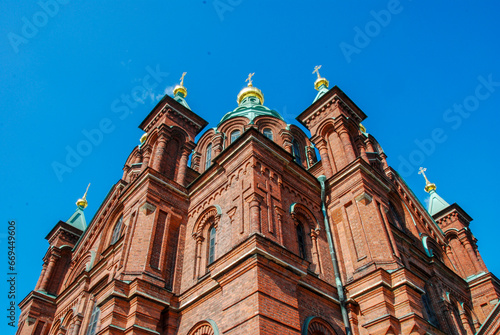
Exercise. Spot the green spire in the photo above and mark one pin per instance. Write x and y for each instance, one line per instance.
(436, 203)
(77, 220)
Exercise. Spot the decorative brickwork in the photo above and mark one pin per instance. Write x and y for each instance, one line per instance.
(247, 240)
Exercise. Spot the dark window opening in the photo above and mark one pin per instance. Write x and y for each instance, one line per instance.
(302, 241)
(211, 247)
(268, 133)
(296, 152)
(117, 231)
(208, 157)
(234, 135)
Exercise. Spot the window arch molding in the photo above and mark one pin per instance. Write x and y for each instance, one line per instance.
(301, 215)
(205, 327)
(205, 234)
(297, 210)
(211, 213)
(315, 325)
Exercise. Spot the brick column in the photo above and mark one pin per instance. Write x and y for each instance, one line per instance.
(346, 142)
(42, 274)
(197, 265)
(181, 175)
(217, 144)
(160, 151)
(48, 272)
(454, 261)
(254, 201)
(323, 152)
(315, 253)
(287, 138)
(362, 150)
(369, 145)
(146, 156)
(195, 161)
(76, 328)
(384, 160)
(465, 322)
(472, 255)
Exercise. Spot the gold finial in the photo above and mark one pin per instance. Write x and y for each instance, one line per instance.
(250, 90)
(316, 70)
(182, 78)
(83, 201)
(143, 138)
(319, 81)
(180, 89)
(428, 185)
(249, 79)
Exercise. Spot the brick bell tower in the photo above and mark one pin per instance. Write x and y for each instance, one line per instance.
(258, 236)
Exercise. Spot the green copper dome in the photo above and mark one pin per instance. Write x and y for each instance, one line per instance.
(250, 107)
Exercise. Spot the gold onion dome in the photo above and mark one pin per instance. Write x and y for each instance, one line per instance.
(428, 185)
(250, 91)
(180, 89)
(82, 202)
(320, 80)
(143, 138)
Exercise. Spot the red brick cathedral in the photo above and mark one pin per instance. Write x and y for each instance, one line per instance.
(258, 235)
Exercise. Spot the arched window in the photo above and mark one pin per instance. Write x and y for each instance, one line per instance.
(117, 230)
(397, 221)
(296, 152)
(208, 157)
(268, 133)
(94, 318)
(234, 135)
(301, 238)
(204, 234)
(211, 246)
(430, 315)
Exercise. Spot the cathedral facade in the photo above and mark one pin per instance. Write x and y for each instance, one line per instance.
(260, 235)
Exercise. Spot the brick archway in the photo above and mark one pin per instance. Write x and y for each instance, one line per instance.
(317, 326)
(207, 327)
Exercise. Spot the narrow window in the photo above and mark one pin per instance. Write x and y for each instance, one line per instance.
(208, 157)
(302, 241)
(211, 247)
(268, 133)
(431, 315)
(234, 135)
(296, 152)
(117, 230)
(94, 318)
(398, 222)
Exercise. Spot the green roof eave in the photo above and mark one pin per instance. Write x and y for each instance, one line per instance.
(251, 113)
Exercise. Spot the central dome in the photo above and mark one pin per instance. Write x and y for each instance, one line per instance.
(250, 105)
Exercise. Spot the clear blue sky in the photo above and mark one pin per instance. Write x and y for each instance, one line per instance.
(404, 63)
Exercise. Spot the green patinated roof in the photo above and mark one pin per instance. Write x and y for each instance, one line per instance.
(77, 220)
(180, 99)
(436, 203)
(251, 108)
(321, 91)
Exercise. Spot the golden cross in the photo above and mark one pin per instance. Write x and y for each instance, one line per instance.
(422, 172)
(249, 79)
(182, 78)
(316, 70)
(86, 191)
